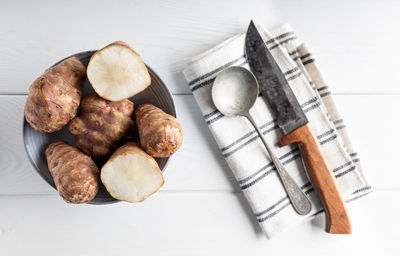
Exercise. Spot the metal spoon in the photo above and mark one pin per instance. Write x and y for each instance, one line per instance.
(234, 93)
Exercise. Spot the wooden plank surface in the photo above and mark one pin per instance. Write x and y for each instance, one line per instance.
(199, 210)
(198, 165)
(185, 224)
(355, 42)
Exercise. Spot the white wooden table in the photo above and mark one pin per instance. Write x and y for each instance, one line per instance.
(200, 210)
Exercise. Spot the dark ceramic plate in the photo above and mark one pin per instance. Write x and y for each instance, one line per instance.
(36, 143)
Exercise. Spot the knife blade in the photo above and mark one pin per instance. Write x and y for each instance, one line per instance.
(295, 127)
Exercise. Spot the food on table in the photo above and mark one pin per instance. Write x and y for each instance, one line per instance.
(101, 124)
(131, 175)
(54, 97)
(116, 72)
(75, 174)
(160, 134)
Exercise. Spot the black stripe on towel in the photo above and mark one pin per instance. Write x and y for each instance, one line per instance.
(346, 171)
(207, 82)
(316, 105)
(270, 164)
(247, 185)
(325, 134)
(282, 42)
(211, 114)
(357, 197)
(340, 127)
(274, 213)
(211, 80)
(290, 71)
(279, 202)
(271, 170)
(249, 141)
(294, 76)
(265, 167)
(362, 189)
(281, 36)
(328, 139)
(271, 207)
(247, 135)
(342, 166)
(305, 56)
(338, 121)
(325, 94)
(312, 100)
(322, 88)
(230, 63)
(366, 190)
(215, 119)
(308, 61)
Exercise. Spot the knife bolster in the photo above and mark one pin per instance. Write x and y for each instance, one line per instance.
(321, 177)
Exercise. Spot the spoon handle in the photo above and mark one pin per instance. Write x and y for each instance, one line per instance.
(299, 200)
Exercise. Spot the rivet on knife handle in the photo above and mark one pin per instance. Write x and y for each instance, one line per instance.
(322, 178)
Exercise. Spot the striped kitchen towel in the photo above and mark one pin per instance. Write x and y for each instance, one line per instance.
(243, 149)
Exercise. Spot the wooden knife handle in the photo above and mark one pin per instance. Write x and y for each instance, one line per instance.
(322, 178)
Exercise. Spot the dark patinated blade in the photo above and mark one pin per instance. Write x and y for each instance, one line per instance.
(273, 84)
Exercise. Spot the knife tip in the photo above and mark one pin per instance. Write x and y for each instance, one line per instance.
(251, 25)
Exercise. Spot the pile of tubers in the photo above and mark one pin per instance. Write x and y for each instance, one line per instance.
(105, 121)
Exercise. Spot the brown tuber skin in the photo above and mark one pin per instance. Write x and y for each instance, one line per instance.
(54, 97)
(75, 174)
(160, 134)
(101, 124)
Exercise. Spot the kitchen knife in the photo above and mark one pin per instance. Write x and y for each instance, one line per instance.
(296, 129)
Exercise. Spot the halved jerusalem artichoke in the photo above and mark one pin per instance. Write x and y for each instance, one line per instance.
(116, 72)
(131, 175)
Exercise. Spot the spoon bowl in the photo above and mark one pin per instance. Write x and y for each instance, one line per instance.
(234, 91)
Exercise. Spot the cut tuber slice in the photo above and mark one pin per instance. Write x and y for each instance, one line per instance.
(131, 175)
(116, 72)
